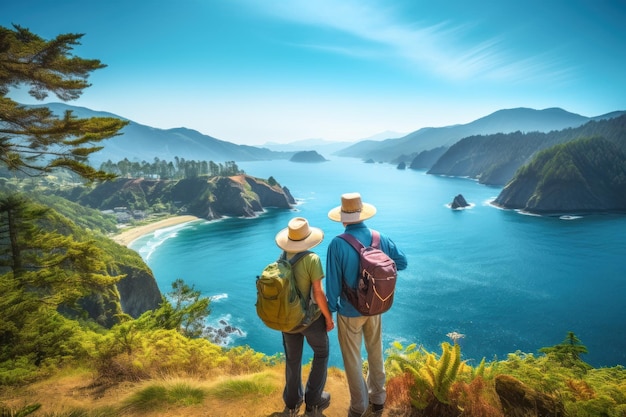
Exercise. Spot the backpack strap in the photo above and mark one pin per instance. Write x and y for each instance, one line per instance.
(375, 239)
(350, 293)
(295, 258)
(292, 262)
(356, 244)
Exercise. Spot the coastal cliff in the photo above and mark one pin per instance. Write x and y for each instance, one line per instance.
(205, 197)
(138, 290)
(583, 176)
(242, 196)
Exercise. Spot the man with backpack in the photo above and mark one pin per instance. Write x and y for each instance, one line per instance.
(355, 323)
(296, 238)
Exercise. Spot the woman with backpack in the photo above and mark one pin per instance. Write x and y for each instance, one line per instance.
(296, 238)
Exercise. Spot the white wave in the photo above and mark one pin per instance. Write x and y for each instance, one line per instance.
(527, 213)
(470, 206)
(221, 332)
(570, 217)
(151, 241)
(218, 297)
(489, 202)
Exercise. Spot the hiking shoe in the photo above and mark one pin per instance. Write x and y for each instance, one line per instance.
(352, 413)
(292, 412)
(377, 409)
(322, 405)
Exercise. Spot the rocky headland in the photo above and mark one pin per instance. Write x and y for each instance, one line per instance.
(204, 197)
(578, 177)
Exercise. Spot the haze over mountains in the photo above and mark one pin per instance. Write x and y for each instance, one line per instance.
(326, 147)
(140, 142)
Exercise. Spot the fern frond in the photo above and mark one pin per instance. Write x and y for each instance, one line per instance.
(428, 375)
(480, 370)
(444, 362)
(397, 345)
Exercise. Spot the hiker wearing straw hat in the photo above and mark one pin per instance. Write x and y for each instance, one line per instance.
(342, 266)
(299, 237)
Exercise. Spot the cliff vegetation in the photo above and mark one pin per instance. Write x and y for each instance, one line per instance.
(204, 189)
(582, 176)
(494, 159)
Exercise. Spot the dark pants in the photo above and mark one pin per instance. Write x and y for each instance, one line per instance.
(317, 337)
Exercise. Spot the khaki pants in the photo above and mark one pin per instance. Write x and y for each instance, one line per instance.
(352, 332)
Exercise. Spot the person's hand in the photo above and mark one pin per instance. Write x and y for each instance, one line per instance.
(330, 324)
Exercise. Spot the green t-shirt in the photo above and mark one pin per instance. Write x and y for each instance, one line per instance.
(307, 270)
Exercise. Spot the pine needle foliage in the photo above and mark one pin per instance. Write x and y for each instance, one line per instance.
(33, 140)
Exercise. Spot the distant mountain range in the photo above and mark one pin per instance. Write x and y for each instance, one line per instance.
(322, 146)
(326, 147)
(502, 121)
(144, 143)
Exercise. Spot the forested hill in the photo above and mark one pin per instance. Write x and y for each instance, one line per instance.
(494, 159)
(586, 175)
(204, 196)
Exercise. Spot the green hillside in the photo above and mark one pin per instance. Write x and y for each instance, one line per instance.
(586, 175)
(493, 159)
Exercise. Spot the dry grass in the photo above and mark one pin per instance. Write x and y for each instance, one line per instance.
(73, 394)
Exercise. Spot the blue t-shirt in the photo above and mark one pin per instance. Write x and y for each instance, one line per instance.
(342, 263)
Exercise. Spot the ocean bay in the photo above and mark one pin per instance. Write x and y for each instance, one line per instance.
(506, 281)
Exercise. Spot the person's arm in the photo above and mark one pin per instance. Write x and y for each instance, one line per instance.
(333, 277)
(396, 254)
(320, 300)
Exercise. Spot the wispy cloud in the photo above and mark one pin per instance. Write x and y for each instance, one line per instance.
(445, 49)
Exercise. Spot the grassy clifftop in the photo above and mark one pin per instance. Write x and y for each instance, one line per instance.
(133, 371)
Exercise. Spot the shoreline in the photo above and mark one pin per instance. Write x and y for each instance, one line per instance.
(126, 236)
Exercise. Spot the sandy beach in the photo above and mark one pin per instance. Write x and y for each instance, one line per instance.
(126, 236)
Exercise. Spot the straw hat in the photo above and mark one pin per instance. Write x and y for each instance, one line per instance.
(298, 236)
(352, 209)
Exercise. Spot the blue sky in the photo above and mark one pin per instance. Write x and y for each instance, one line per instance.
(252, 72)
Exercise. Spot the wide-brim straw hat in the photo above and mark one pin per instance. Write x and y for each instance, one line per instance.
(298, 236)
(352, 209)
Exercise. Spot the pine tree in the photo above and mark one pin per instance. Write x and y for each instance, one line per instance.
(45, 267)
(568, 351)
(32, 139)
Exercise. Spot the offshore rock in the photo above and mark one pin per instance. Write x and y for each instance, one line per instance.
(459, 202)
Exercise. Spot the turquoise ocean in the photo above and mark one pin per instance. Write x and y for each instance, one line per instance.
(507, 281)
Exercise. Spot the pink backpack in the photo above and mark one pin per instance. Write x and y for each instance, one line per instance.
(377, 277)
